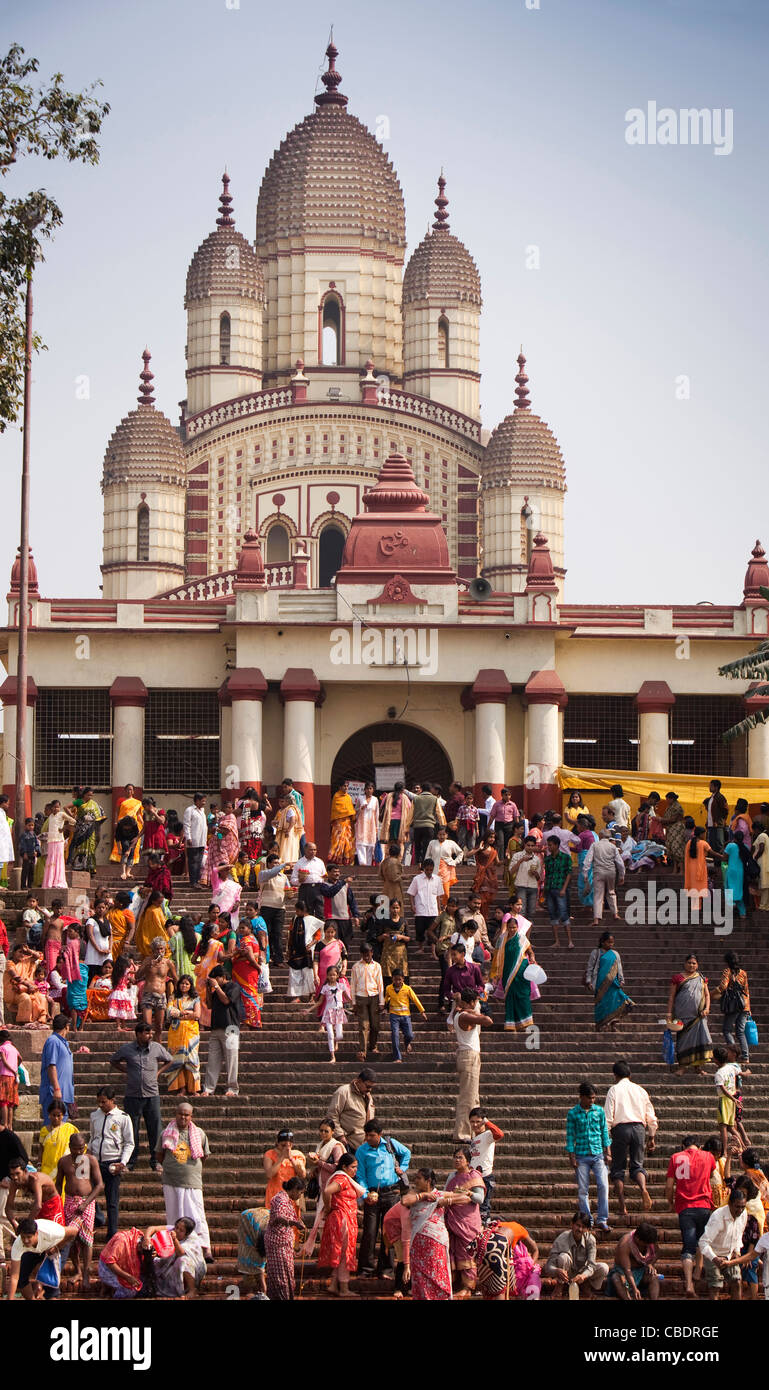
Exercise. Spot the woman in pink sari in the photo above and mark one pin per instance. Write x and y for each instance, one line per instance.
(463, 1218)
(330, 953)
(340, 1231)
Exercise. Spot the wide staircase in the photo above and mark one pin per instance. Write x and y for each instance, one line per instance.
(286, 1080)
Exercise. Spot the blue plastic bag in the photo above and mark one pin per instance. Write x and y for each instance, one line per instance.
(751, 1031)
(668, 1048)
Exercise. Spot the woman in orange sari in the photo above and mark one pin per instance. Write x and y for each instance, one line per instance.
(129, 806)
(20, 994)
(122, 923)
(340, 1231)
(342, 846)
(696, 856)
(485, 882)
(206, 955)
(246, 971)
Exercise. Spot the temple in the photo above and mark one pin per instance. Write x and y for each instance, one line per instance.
(290, 572)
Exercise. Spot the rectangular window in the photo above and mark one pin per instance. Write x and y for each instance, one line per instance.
(73, 738)
(601, 731)
(181, 741)
(696, 725)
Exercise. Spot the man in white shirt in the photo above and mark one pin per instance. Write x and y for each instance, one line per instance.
(626, 846)
(367, 997)
(272, 885)
(527, 872)
(608, 871)
(620, 810)
(366, 825)
(467, 1023)
(472, 913)
(111, 1142)
(424, 890)
(306, 872)
(721, 1242)
(629, 1115)
(35, 1240)
(195, 826)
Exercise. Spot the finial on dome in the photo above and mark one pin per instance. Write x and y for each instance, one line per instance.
(146, 378)
(757, 575)
(331, 79)
(225, 218)
(522, 401)
(441, 222)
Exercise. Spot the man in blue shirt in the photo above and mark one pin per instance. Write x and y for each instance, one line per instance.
(57, 1081)
(588, 1148)
(381, 1164)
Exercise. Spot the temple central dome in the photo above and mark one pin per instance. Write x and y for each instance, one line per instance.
(331, 177)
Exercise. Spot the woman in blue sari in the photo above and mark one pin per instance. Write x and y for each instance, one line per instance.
(607, 978)
(511, 958)
(585, 832)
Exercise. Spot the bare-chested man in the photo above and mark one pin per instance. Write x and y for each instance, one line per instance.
(46, 1202)
(80, 1171)
(157, 972)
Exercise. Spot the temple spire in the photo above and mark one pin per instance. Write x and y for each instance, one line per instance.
(225, 218)
(146, 378)
(522, 401)
(441, 222)
(331, 79)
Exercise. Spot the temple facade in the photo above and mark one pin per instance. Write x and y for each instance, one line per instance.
(329, 567)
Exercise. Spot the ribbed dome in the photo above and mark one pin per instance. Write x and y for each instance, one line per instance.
(523, 448)
(330, 177)
(226, 262)
(145, 447)
(441, 268)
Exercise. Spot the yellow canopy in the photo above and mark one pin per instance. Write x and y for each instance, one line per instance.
(594, 783)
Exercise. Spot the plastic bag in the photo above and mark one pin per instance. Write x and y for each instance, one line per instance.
(668, 1048)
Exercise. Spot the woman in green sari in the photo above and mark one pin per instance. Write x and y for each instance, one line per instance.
(85, 836)
(611, 1001)
(514, 952)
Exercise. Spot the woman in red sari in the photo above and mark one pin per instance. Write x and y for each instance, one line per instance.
(340, 1232)
(429, 1258)
(279, 1240)
(485, 882)
(246, 970)
(154, 836)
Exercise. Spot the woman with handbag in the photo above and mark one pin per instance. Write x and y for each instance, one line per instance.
(733, 995)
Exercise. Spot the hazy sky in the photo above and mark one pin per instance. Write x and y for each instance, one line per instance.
(652, 258)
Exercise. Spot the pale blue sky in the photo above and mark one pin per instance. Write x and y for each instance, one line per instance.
(653, 259)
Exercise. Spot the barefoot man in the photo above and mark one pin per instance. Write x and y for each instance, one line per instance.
(80, 1171)
(629, 1115)
(157, 972)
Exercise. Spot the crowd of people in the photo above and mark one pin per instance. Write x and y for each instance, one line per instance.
(162, 976)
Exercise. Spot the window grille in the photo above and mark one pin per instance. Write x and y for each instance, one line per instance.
(601, 731)
(181, 741)
(696, 725)
(73, 733)
(143, 533)
(225, 335)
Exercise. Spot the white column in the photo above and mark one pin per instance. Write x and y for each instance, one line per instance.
(758, 752)
(128, 745)
(544, 745)
(246, 747)
(490, 743)
(653, 740)
(226, 777)
(299, 740)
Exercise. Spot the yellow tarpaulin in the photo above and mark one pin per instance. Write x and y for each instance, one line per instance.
(594, 783)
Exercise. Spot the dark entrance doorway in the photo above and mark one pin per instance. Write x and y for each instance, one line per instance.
(422, 757)
(330, 551)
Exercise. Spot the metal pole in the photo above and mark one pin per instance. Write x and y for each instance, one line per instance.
(23, 618)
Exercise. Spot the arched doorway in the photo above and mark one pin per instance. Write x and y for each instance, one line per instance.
(330, 551)
(422, 757)
(277, 545)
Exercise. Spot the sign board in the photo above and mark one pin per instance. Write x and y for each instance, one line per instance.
(386, 777)
(384, 753)
(356, 790)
